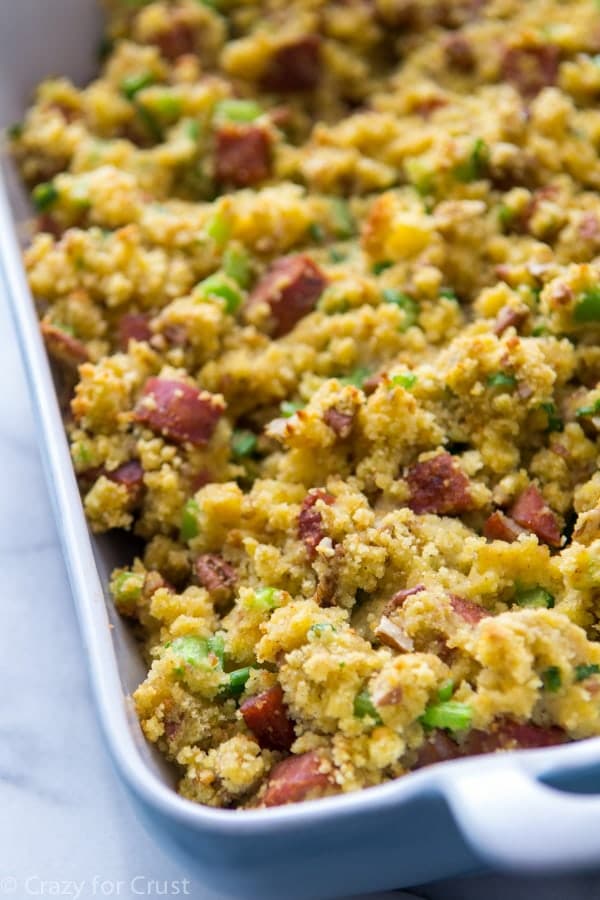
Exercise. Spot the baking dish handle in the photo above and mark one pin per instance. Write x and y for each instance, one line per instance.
(514, 822)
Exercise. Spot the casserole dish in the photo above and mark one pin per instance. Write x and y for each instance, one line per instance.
(436, 823)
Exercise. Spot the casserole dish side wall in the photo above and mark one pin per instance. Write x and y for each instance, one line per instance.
(391, 836)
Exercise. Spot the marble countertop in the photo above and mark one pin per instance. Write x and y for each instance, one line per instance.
(67, 827)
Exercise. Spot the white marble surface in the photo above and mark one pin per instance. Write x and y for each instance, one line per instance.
(67, 827)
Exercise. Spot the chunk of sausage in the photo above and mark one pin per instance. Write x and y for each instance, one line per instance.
(459, 53)
(48, 224)
(133, 327)
(178, 411)
(524, 735)
(176, 41)
(504, 734)
(294, 66)
(437, 747)
(200, 479)
(310, 523)
(266, 716)
(509, 316)
(296, 778)
(339, 422)
(428, 105)
(500, 527)
(131, 476)
(216, 575)
(372, 382)
(62, 346)
(242, 154)
(467, 610)
(290, 287)
(399, 597)
(533, 513)
(530, 69)
(439, 486)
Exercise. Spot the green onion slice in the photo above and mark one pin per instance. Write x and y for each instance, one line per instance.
(406, 381)
(189, 520)
(243, 443)
(44, 196)
(501, 379)
(535, 598)
(446, 690)
(240, 111)
(133, 84)
(552, 679)
(218, 285)
(363, 707)
(585, 670)
(448, 714)
(237, 682)
(587, 308)
(236, 265)
(403, 302)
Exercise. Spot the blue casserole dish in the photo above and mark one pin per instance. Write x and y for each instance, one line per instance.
(511, 811)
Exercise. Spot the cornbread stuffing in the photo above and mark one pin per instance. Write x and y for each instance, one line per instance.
(323, 280)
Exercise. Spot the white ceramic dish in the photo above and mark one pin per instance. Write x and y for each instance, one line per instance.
(441, 821)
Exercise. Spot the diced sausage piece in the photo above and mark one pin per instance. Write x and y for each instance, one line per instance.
(266, 716)
(176, 41)
(437, 747)
(87, 477)
(48, 224)
(500, 527)
(242, 154)
(133, 327)
(507, 317)
(215, 574)
(131, 476)
(178, 411)
(426, 107)
(62, 346)
(467, 610)
(291, 288)
(439, 486)
(506, 734)
(530, 69)
(200, 479)
(459, 53)
(524, 735)
(372, 382)
(310, 523)
(339, 422)
(295, 66)
(517, 169)
(533, 513)
(296, 778)
(399, 597)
